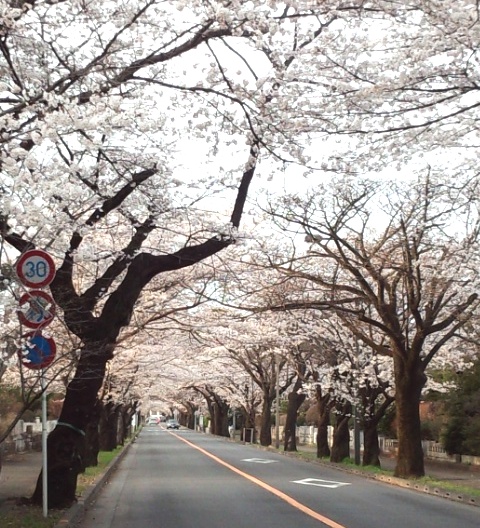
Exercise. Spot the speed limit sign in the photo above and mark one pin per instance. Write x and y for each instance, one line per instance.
(35, 268)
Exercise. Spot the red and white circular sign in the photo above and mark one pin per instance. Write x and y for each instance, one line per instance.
(37, 309)
(35, 268)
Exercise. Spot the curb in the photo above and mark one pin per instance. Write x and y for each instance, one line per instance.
(76, 512)
(430, 490)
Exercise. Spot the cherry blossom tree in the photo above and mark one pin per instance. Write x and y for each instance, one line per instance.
(93, 130)
(242, 350)
(80, 112)
(418, 108)
(188, 373)
(258, 349)
(354, 373)
(298, 357)
(409, 272)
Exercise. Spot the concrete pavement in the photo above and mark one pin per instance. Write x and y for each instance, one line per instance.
(19, 475)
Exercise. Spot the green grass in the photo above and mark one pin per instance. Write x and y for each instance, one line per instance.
(28, 516)
(456, 489)
(350, 462)
(92, 473)
(307, 455)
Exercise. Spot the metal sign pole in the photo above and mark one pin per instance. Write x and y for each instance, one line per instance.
(277, 402)
(36, 269)
(44, 446)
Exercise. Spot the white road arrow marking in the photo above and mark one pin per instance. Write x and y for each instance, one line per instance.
(321, 483)
(258, 460)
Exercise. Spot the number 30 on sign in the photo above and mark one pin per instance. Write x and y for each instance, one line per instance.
(35, 268)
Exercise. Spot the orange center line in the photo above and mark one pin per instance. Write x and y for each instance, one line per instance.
(264, 485)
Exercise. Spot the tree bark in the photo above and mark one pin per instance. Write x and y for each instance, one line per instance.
(108, 436)
(324, 406)
(190, 418)
(295, 400)
(221, 417)
(371, 447)
(341, 434)
(409, 382)
(218, 409)
(92, 438)
(372, 414)
(266, 422)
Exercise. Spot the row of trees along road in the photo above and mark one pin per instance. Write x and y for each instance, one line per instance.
(395, 296)
(407, 290)
(99, 102)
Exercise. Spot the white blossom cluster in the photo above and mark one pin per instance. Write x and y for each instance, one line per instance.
(94, 94)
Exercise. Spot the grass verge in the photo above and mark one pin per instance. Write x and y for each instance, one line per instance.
(91, 474)
(348, 463)
(16, 515)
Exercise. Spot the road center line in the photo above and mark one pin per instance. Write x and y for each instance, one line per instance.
(264, 485)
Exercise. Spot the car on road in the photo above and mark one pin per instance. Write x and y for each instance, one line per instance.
(172, 424)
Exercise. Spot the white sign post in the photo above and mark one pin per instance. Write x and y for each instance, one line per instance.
(36, 269)
(44, 446)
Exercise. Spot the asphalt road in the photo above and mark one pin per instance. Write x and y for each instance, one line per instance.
(183, 479)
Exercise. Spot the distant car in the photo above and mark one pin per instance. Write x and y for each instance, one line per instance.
(152, 420)
(173, 424)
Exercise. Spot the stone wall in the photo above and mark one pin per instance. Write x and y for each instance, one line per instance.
(26, 436)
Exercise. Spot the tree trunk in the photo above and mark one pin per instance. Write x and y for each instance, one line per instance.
(108, 436)
(66, 443)
(118, 419)
(266, 422)
(218, 410)
(295, 400)
(372, 414)
(211, 411)
(127, 416)
(190, 417)
(341, 434)
(371, 447)
(92, 439)
(221, 417)
(323, 406)
(409, 382)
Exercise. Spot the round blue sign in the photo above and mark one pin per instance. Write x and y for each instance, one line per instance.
(38, 351)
